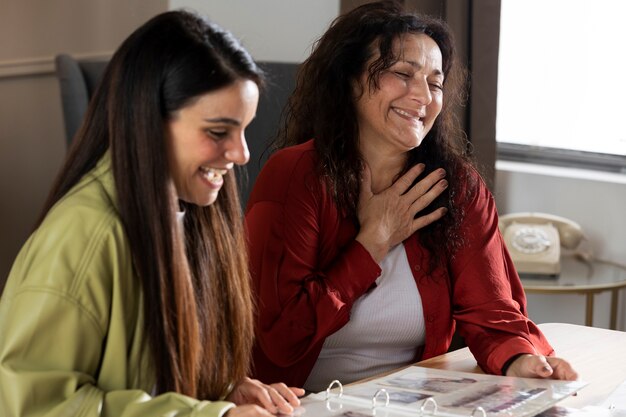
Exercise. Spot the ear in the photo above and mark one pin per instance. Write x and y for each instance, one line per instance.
(358, 87)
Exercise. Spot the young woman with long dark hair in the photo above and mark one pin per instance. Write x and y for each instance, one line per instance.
(131, 297)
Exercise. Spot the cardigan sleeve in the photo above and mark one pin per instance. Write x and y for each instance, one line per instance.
(305, 280)
(488, 298)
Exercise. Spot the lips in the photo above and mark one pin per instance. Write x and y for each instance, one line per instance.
(411, 115)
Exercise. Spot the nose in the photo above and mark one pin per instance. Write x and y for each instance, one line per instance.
(419, 89)
(237, 150)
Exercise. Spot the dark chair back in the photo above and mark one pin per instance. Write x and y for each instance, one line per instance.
(78, 81)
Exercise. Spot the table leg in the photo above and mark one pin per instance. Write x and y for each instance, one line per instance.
(614, 298)
(589, 310)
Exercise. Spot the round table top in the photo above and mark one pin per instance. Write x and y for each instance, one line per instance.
(579, 276)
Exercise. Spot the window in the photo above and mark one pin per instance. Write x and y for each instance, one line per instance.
(562, 82)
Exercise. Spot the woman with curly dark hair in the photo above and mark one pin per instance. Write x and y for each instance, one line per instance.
(371, 234)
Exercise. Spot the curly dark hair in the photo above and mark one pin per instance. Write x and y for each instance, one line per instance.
(322, 106)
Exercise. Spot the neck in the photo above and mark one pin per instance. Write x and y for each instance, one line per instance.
(384, 165)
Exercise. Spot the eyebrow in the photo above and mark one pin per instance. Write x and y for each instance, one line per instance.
(225, 120)
(418, 66)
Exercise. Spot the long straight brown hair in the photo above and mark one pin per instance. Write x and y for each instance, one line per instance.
(197, 300)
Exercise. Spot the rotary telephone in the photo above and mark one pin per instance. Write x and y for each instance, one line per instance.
(534, 240)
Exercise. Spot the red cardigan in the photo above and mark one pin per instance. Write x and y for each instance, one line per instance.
(308, 270)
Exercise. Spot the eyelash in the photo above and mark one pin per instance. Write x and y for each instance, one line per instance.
(406, 75)
(217, 134)
(402, 74)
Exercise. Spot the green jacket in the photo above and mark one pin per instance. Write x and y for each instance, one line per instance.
(71, 318)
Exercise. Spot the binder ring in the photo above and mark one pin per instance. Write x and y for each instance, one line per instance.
(331, 385)
(482, 411)
(380, 391)
(332, 409)
(429, 400)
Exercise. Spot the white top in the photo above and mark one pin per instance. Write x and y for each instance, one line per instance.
(385, 329)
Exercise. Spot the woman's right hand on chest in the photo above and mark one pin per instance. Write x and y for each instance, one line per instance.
(389, 217)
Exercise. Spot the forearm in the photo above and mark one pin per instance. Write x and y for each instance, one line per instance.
(91, 401)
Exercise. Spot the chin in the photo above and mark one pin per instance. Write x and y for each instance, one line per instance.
(203, 201)
(208, 202)
(414, 144)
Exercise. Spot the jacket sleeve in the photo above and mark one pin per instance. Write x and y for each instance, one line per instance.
(53, 339)
(50, 370)
(305, 280)
(488, 298)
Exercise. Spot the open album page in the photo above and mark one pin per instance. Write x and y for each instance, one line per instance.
(423, 391)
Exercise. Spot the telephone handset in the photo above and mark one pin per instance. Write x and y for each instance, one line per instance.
(534, 240)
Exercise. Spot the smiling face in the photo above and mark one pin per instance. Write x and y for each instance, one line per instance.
(396, 117)
(206, 138)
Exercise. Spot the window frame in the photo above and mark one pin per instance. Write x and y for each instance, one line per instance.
(561, 157)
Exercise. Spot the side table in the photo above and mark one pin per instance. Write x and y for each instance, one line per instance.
(579, 276)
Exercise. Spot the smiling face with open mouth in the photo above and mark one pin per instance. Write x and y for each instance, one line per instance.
(206, 139)
(397, 116)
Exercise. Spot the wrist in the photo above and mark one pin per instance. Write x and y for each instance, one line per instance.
(509, 362)
(377, 250)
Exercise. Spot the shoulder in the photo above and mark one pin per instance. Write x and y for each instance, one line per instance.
(86, 216)
(294, 159)
(288, 172)
(472, 188)
(477, 206)
(79, 252)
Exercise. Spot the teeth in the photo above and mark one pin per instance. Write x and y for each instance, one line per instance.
(407, 114)
(213, 175)
(216, 170)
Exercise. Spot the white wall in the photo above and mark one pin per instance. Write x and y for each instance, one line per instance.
(272, 30)
(597, 201)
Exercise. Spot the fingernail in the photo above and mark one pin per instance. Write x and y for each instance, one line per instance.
(443, 184)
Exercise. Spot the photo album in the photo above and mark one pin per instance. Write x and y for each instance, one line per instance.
(418, 391)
